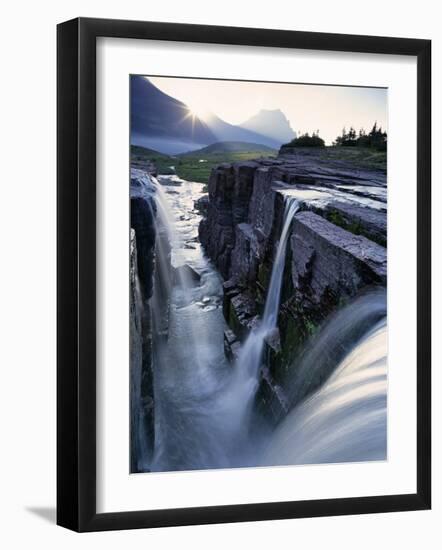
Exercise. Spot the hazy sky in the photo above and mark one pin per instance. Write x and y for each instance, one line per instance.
(307, 107)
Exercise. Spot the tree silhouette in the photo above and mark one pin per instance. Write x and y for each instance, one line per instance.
(376, 139)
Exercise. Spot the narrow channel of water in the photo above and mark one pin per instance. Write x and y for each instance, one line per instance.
(204, 404)
(193, 425)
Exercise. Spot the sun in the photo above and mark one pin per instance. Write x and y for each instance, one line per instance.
(199, 111)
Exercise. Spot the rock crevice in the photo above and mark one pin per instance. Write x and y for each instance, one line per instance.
(335, 250)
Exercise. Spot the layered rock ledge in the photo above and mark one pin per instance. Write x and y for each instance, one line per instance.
(337, 247)
(142, 272)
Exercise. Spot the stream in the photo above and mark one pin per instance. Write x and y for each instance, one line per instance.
(204, 410)
(195, 426)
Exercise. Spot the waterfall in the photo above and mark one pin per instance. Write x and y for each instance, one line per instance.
(344, 419)
(249, 358)
(190, 366)
(324, 351)
(204, 408)
(271, 309)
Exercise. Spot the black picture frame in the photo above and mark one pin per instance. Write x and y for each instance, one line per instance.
(76, 274)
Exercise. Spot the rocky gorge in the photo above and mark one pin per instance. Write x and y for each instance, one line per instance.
(334, 254)
(336, 249)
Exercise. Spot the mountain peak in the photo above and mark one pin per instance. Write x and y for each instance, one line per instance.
(163, 123)
(271, 111)
(271, 122)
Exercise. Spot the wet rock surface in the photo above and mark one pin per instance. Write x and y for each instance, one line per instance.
(327, 259)
(357, 219)
(142, 221)
(202, 204)
(186, 275)
(142, 264)
(239, 308)
(336, 246)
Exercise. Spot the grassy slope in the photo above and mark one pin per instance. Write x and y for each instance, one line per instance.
(162, 162)
(230, 147)
(188, 165)
(362, 157)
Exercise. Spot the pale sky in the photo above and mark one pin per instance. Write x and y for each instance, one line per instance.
(307, 107)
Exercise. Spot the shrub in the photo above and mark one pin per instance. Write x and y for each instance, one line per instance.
(306, 140)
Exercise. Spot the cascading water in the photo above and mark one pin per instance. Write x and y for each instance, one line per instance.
(248, 364)
(336, 339)
(345, 419)
(274, 294)
(190, 367)
(204, 405)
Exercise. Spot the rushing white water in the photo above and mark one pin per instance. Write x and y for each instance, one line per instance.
(204, 405)
(337, 337)
(346, 418)
(190, 368)
(274, 293)
(248, 363)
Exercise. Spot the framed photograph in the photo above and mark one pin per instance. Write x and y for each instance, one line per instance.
(243, 274)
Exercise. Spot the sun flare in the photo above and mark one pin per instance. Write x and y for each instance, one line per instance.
(199, 111)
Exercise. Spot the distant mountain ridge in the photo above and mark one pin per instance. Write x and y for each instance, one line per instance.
(230, 147)
(162, 123)
(228, 132)
(273, 122)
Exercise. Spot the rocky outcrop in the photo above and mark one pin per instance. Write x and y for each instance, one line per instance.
(328, 266)
(230, 188)
(142, 261)
(140, 162)
(186, 276)
(143, 223)
(360, 220)
(136, 355)
(202, 204)
(336, 247)
(329, 262)
(239, 308)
